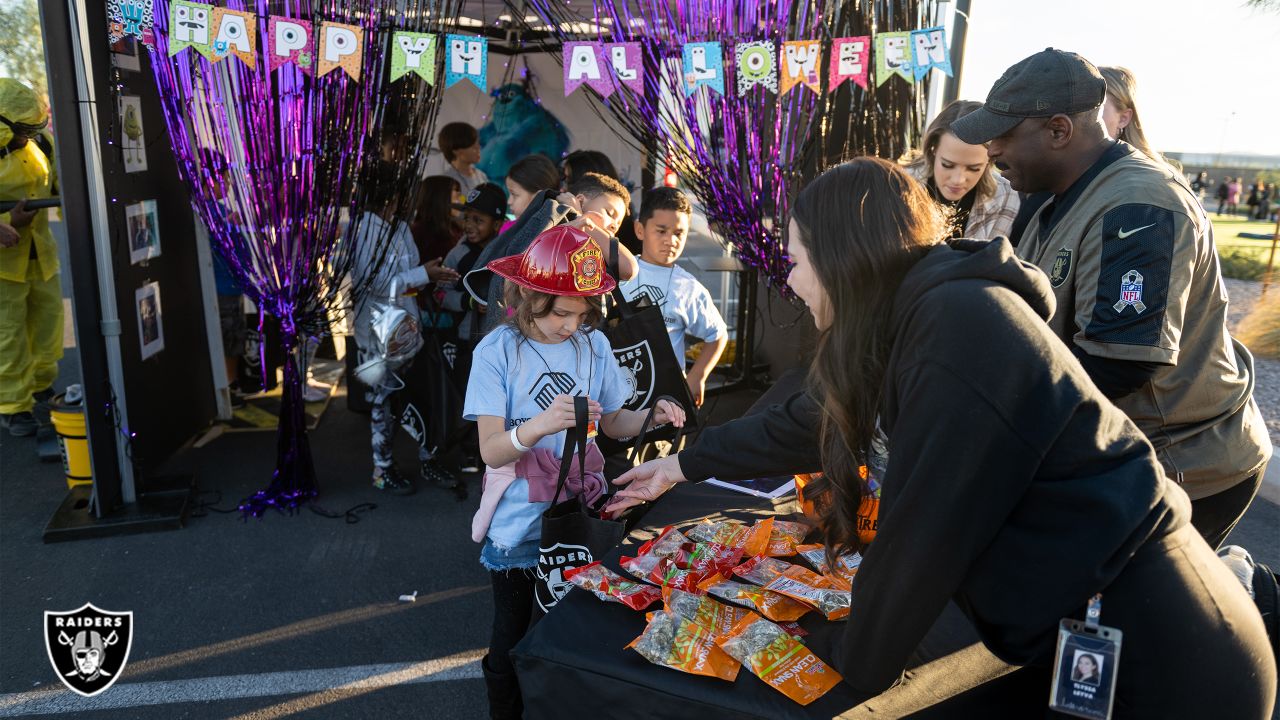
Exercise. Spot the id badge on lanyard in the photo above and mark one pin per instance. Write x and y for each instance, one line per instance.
(1086, 666)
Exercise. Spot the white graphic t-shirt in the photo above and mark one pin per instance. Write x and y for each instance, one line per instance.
(687, 308)
(516, 378)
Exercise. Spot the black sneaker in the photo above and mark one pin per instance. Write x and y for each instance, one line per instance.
(21, 424)
(237, 399)
(434, 473)
(44, 396)
(389, 478)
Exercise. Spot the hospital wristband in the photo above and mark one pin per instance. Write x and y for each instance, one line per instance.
(515, 441)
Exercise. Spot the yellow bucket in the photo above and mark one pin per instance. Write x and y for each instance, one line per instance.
(68, 420)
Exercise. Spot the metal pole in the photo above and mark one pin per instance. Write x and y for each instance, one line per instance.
(110, 319)
(959, 36)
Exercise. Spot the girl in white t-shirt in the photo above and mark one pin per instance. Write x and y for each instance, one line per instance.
(524, 376)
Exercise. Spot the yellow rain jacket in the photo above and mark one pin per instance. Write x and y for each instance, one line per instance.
(26, 173)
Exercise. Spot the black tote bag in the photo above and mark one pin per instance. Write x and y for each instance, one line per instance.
(573, 535)
(643, 350)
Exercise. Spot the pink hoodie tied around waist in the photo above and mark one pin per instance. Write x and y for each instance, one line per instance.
(541, 468)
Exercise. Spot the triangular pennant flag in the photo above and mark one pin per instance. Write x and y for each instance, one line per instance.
(340, 45)
(234, 33)
(703, 65)
(466, 58)
(626, 62)
(190, 25)
(929, 48)
(893, 56)
(757, 64)
(290, 41)
(584, 64)
(850, 58)
(800, 64)
(413, 52)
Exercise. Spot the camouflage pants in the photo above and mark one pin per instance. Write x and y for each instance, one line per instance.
(382, 427)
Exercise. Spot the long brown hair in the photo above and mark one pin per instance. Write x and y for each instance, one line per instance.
(529, 305)
(434, 211)
(940, 126)
(864, 224)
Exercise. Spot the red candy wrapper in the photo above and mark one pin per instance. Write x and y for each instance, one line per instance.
(652, 552)
(611, 587)
(693, 563)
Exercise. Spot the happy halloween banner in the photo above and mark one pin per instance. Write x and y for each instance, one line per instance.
(319, 48)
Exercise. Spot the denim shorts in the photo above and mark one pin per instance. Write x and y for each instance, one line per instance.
(523, 556)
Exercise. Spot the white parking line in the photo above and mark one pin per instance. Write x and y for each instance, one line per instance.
(353, 679)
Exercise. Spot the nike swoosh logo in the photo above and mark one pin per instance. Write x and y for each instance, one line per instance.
(1126, 233)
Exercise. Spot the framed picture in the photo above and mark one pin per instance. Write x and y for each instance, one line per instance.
(124, 54)
(132, 137)
(150, 320)
(144, 231)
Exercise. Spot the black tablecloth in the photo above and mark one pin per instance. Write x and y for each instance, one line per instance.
(574, 663)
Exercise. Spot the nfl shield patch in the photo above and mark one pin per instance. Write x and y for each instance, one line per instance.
(1061, 268)
(1130, 293)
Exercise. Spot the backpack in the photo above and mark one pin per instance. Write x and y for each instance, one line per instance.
(1266, 595)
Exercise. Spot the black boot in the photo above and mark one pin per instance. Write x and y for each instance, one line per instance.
(505, 702)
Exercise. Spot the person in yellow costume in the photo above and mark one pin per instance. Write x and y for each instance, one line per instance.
(30, 286)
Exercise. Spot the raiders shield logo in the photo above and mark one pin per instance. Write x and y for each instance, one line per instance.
(636, 362)
(1061, 268)
(552, 562)
(88, 647)
(411, 421)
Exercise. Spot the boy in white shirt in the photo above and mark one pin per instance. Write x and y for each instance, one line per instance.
(687, 309)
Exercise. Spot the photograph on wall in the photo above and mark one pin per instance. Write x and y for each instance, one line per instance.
(150, 328)
(144, 231)
(132, 143)
(124, 54)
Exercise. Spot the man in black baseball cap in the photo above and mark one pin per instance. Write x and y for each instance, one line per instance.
(1130, 255)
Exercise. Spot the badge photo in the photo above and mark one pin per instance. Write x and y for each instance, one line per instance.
(88, 647)
(1085, 670)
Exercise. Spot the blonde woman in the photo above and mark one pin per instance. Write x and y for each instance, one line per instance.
(1120, 112)
(961, 179)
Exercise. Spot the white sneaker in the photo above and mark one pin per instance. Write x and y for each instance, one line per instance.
(1240, 562)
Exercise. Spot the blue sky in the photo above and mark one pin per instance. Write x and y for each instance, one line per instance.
(1196, 62)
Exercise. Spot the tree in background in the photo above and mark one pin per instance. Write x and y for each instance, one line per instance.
(21, 47)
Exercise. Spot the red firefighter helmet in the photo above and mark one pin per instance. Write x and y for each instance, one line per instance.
(561, 261)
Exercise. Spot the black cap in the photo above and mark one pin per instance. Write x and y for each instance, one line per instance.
(487, 199)
(1048, 83)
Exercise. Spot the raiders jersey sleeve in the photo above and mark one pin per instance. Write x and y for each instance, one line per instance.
(1134, 284)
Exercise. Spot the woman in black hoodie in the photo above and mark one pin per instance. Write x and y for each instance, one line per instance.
(1012, 486)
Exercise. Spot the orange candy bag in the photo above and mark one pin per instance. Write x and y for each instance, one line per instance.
(781, 661)
(681, 644)
(830, 595)
(612, 587)
(784, 536)
(778, 608)
(816, 555)
(714, 616)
